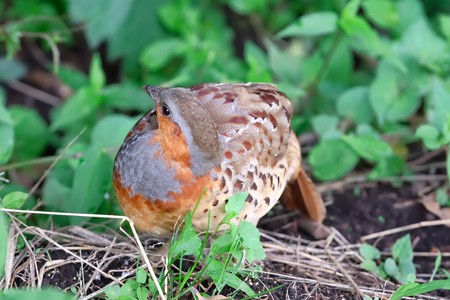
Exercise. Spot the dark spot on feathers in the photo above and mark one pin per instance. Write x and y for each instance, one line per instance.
(250, 176)
(203, 93)
(273, 121)
(281, 166)
(269, 99)
(267, 200)
(223, 183)
(247, 145)
(249, 198)
(228, 172)
(238, 184)
(205, 210)
(287, 113)
(215, 202)
(254, 186)
(238, 120)
(228, 154)
(245, 217)
(256, 203)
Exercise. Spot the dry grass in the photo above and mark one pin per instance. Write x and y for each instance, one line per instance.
(112, 257)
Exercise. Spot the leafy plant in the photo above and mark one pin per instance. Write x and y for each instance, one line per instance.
(399, 267)
(223, 263)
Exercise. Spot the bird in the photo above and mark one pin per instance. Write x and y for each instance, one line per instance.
(200, 145)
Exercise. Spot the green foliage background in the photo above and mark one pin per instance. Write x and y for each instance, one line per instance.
(368, 77)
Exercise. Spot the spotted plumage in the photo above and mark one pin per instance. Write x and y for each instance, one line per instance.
(212, 141)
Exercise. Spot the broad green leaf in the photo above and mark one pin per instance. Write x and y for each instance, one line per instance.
(34, 294)
(407, 270)
(340, 70)
(395, 96)
(127, 96)
(220, 276)
(369, 148)
(188, 242)
(362, 36)
(332, 159)
(247, 7)
(111, 131)
(223, 243)
(313, 24)
(3, 246)
(381, 12)
(369, 265)
(415, 12)
(160, 52)
(11, 69)
(6, 135)
(414, 288)
(256, 59)
(81, 105)
(391, 268)
(55, 194)
(351, 9)
(97, 76)
(369, 252)
(354, 104)
(102, 18)
(389, 166)
(430, 136)
(236, 203)
(326, 126)
(444, 24)
(30, 131)
(142, 293)
(285, 63)
(422, 43)
(438, 102)
(91, 184)
(72, 77)
(251, 241)
(14, 200)
(402, 249)
(112, 292)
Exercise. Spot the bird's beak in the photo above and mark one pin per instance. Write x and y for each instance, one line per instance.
(153, 91)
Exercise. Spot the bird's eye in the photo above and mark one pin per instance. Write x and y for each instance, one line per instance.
(165, 110)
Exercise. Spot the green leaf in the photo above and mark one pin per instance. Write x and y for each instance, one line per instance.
(112, 292)
(247, 7)
(448, 166)
(438, 102)
(3, 246)
(55, 194)
(368, 147)
(127, 97)
(6, 135)
(391, 268)
(14, 200)
(415, 12)
(141, 275)
(389, 166)
(258, 70)
(332, 159)
(422, 43)
(142, 293)
(394, 95)
(430, 136)
(111, 131)
(312, 24)
(28, 143)
(97, 77)
(160, 52)
(285, 64)
(362, 36)
(354, 104)
(81, 105)
(72, 77)
(11, 69)
(236, 204)
(414, 288)
(34, 294)
(381, 12)
(402, 249)
(369, 252)
(407, 271)
(91, 184)
(102, 18)
(188, 242)
(369, 265)
(326, 126)
(444, 24)
(351, 9)
(250, 239)
(216, 270)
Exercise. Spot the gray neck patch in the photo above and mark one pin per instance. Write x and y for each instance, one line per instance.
(143, 172)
